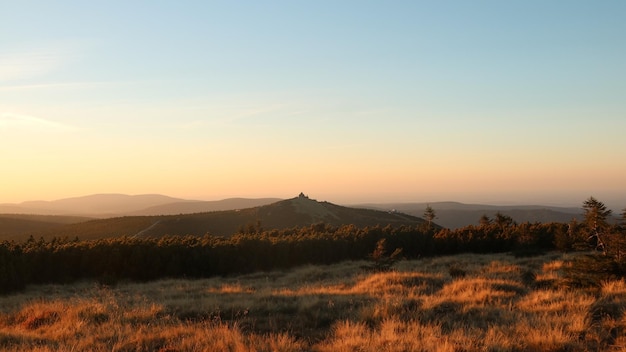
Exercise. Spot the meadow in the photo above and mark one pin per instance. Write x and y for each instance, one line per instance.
(466, 302)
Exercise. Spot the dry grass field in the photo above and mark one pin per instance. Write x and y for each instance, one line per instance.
(456, 303)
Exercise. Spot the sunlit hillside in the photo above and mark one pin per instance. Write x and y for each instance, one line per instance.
(454, 303)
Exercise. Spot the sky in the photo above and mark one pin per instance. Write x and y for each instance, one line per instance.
(501, 102)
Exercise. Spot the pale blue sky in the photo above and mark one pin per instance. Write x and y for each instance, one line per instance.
(348, 101)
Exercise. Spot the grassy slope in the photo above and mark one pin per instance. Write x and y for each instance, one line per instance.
(467, 302)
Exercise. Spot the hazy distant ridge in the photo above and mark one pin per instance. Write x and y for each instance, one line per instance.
(112, 205)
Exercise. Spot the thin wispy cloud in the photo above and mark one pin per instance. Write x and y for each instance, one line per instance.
(193, 124)
(30, 64)
(9, 120)
(69, 85)
(227, 115)
(252, 112)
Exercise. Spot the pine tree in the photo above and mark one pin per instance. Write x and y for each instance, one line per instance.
(429, 215)
(503, 220)
(596, 214)
(484, 220)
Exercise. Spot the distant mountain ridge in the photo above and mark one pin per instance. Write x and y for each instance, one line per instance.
(113, 205)
(15, 226)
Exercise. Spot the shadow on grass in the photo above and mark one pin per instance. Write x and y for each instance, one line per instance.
(604, 323)
(11, 340)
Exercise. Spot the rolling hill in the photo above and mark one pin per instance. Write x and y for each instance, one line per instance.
(61, 218)
(17, 226)
(295, 212)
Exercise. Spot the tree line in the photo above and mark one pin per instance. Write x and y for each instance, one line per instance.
(141, 259)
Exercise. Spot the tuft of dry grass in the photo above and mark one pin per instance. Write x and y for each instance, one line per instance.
(501, 303)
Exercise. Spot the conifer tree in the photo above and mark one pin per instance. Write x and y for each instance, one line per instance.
(596, 214)
(429, 215)
(484, 220)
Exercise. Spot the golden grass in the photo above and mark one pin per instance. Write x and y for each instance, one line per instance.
(501, 304)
